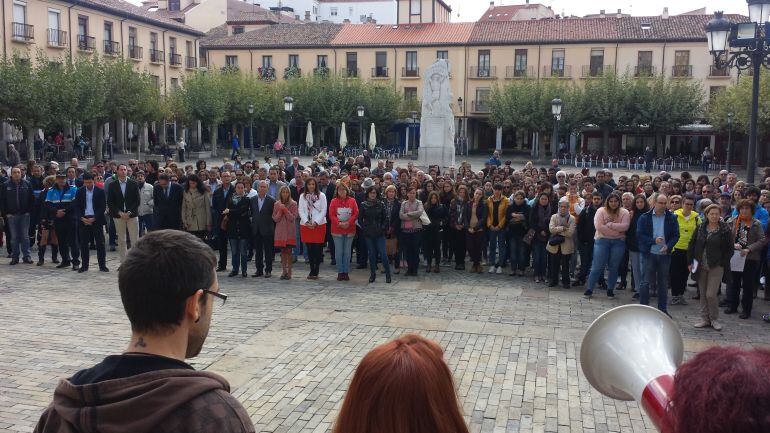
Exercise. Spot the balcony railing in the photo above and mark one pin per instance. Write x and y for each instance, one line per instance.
(135, 52)
(191, 62)
(681, 71)
(291, 72)
(410, 72)
(557, 71)
(111, 48)
(644, 71)
(519, 72)
(23, 32)
(718, 72)
(483, 72)
(380, 72)
(156, 56)
(174, 59)
(86, 43)
(349, 72)
(480, 106)
(321, 71)
(57, 38)
(595, 71)
(266, 73)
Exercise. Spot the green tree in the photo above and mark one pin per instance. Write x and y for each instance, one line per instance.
(205, 101)
(606, 98)
(23, 99)
(737, 100)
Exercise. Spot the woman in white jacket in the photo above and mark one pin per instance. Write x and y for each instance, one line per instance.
(312, 220)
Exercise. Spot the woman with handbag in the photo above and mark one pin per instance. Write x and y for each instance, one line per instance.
(458, 211)
(712, 248)
(312, 220)
(411, 230)
(748, 241)
(238, 228)
(431, 240)
(392, 226)
(475, 221)
(196, 208)
(539, 232)
(285, 214)
(561, 244)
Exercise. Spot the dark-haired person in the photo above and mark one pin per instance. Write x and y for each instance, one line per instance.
(586, 233)
(218, 205)
(657, 231)
(90, 206)
(475, 221)
(411, 230)
(517, 215)
(431, 242)
(263, 230)
(712, 377)
(16, 203)
(749, 239)
(611, 222)
(238, 230)
(373, 225)
(312, 220)
(285, 215)
(539, 221)
(496, 208)
(169, 288)
(196, 208)
(458, 210)
(403, 386)
(688, 221)
(167, 199)
(60, 208)
(123, 204)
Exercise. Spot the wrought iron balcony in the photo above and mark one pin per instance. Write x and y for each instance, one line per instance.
(644, 71)
(23, 32)
(557, 71)
(135, 52)
(519, 72)
(86, 43)
(681, 71)
(111, 48)
(175, 59)
(482, 72)
(380, 72)
(57, 38)
(156, 56)
(191, 62)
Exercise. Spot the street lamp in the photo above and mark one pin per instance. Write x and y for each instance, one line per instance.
(743, 46)
(360, 110)
(251, 130)
(460, 103)
(556, 105)
(288, 107)
(414, 133)
(729, 141)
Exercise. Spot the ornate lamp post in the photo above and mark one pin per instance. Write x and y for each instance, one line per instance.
(556, 106)
(288, 107)
(251, 130)
(729, 142)
(414, 133)
(743, 46)
(360, 112)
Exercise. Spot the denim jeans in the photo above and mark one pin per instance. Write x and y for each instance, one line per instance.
(240, 251)
(607, 253)
(300, 248)
(145, 224)
(539, 257)
(517, 252)
(376, 248)
(343, 245)
(637, 270)
(496, 243)
(656, 267)
(19, 228)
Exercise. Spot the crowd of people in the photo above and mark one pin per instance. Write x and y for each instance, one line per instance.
(572, 228)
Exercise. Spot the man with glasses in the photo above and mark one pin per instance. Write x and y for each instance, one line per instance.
(169, 288)
(656, 232)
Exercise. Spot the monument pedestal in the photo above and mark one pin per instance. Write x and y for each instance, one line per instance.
(442, 156)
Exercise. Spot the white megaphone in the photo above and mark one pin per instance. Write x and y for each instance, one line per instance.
(631, 353)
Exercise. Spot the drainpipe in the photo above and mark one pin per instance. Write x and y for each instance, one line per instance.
(395, 69)
(165, 55)
(251, 61)
(122, 40)
(2, 10)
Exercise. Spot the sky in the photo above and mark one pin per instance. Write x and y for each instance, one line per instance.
(471, 10)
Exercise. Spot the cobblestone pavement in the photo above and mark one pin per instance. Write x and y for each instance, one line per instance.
(290, 348)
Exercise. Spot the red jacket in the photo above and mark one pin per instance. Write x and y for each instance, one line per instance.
(339, 210)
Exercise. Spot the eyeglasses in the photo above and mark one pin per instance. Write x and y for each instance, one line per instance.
(221, 296)
(675, 201)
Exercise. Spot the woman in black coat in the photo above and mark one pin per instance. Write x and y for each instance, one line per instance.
(373, 227)
(238, 228)
(392, 224)
(475, 223)
(431, 234)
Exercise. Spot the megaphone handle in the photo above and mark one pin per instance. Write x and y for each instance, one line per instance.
(655, 398)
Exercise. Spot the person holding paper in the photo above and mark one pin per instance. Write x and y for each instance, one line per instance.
(656, 232)
(749, 239)
(708, 254)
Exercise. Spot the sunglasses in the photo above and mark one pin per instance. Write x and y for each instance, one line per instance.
(675, 201)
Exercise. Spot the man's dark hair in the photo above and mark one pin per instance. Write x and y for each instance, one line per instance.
(88, 176)
(498, 186)
(160, 272)
(163, 176)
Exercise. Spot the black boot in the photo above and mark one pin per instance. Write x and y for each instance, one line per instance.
(372, 277)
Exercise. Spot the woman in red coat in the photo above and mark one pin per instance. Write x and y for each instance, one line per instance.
(343, 213)
(284, 215)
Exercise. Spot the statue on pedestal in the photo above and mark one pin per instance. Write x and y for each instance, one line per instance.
(437, 123)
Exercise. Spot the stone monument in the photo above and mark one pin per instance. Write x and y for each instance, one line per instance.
(437, 123)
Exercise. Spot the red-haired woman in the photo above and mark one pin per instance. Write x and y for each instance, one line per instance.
(403, 386)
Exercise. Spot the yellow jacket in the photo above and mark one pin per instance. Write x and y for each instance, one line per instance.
(687, 227)
(500, 212)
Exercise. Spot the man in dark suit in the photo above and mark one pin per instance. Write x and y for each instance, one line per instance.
(90, 204)
(293, 169)
(263, 228)
(167, 197)
(218, 205)
(123, 204)
(328, 188)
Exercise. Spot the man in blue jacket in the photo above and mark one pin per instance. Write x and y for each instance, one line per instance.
(657, 232)
(16, 201)
(90, 205)
(60, 204)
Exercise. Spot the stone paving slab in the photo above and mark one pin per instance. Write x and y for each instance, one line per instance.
(289, 348)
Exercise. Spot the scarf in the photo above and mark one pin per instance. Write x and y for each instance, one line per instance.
(741, 221)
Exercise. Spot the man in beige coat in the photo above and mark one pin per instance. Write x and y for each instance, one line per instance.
(561, 244)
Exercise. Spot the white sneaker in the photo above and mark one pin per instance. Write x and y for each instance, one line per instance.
(702, 324)
(716, 325)
(492, 269)
(499, 270)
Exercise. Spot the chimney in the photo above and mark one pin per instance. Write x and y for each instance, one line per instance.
(665, 13)
(492, 4)
(346, 21)
(307, 15)
(620, 13)
(602, 14)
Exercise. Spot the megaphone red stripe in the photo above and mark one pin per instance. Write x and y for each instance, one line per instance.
(655, 398)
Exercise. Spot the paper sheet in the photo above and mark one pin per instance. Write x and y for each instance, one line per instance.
(737, 262)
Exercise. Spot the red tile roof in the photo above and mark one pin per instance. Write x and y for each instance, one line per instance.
(404, 35)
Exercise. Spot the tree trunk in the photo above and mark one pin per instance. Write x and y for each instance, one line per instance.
(30, 143)
(96, 143)
(605, 141)
(213, 139)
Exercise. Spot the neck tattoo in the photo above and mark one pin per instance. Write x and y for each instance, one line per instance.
(140, 343)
